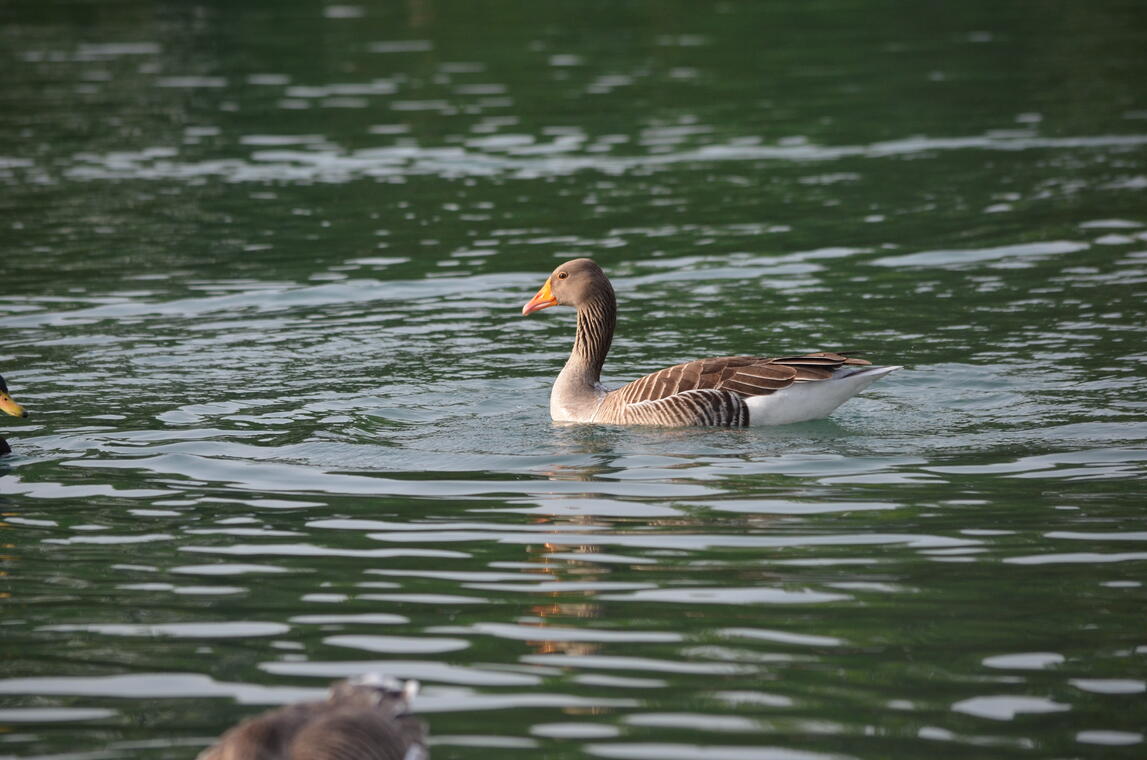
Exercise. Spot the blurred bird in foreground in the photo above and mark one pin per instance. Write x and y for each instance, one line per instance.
(364, 718)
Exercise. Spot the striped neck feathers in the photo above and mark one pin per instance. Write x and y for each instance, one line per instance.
(596, 320)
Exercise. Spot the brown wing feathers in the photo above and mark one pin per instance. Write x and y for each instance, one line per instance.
(664, 397)
(758, 379)
(744, 375)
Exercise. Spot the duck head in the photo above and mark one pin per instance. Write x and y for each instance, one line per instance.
(572, 284)
(7, 404)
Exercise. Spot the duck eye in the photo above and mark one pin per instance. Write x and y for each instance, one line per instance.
(563, 275)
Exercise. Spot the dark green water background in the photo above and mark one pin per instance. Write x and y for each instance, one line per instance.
(262, 266)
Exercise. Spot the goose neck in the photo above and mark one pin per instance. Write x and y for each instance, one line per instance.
(596, 320)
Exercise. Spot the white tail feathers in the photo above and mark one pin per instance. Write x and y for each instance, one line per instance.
(812, 400)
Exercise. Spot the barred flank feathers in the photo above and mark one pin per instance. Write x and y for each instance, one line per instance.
(702, 407)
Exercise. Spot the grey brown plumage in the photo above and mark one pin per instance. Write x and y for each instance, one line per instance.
(363, 719)
(726, 391)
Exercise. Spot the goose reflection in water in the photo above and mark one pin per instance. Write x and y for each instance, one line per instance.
(365, 718)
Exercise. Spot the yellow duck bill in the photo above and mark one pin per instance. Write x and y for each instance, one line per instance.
(9, 406)
(543, 300)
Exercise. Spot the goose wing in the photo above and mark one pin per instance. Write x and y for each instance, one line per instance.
(742, 375)
(712, 391)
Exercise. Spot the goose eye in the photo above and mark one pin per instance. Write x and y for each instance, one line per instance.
(563, 275)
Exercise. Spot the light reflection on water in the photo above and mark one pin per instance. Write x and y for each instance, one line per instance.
(325, 163)
(288, 427)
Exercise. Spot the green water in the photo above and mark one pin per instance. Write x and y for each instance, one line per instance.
(262, 270)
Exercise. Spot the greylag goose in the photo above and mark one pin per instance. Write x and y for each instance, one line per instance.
(364, 718)
(8, 406)
(729, 391)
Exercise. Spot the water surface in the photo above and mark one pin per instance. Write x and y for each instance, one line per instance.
(263, 267)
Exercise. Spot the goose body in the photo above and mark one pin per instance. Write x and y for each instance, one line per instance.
(8, 406)
(727, 391)
(363, 719)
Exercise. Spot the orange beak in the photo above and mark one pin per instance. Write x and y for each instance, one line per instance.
(543, 300)
(9, 406)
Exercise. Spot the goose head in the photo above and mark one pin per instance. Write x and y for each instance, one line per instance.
(574, 283)
(382, 693)
(7, 404)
